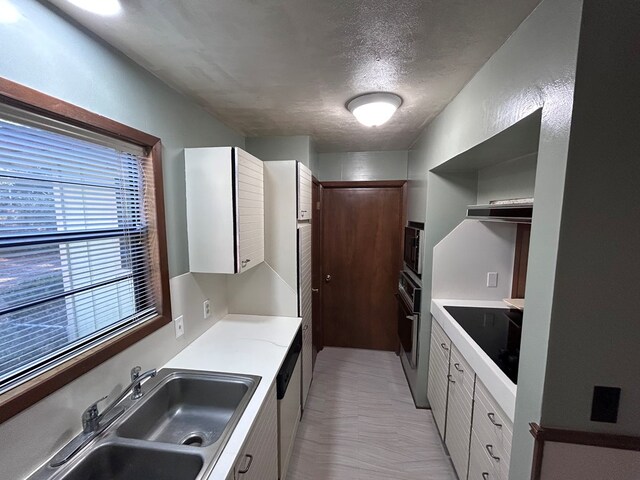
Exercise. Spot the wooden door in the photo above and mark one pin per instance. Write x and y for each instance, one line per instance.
(316, 268)
(361, 258)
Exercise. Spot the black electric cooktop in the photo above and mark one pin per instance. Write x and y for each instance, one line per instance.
(497, 331)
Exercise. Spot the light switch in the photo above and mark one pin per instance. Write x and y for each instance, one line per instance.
(492, 279)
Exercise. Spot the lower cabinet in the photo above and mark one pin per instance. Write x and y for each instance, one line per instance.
(459, 410)
(259, 457)
(437, 387)
(474, 428)
(493, 430)
(481, 466)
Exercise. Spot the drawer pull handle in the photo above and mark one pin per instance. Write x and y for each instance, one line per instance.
(246, 469)
(490, 450)
(457, 367)
(492, 417)
(245, 262)
(450, 379)
(444, 347)
(485, 475)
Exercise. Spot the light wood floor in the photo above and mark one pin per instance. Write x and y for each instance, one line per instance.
(360, 423)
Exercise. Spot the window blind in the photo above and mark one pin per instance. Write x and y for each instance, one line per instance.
(75, 243)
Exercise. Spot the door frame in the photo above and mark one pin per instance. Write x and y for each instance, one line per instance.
(316, 269)
(402, 184)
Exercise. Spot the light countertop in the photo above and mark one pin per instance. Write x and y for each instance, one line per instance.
(500, 386)
(248, 344)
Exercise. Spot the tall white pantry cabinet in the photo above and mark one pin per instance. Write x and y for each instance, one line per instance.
(288, 210)
(225, 209)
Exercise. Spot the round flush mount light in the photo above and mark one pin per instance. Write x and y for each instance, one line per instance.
(8, 13)
(106, 8)
(374, 109)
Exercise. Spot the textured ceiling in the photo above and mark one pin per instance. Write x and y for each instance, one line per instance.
(287, 67)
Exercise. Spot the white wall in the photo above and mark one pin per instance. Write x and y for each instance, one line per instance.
(462, 260)
(534, 68)
(44, 51)
(357, 166)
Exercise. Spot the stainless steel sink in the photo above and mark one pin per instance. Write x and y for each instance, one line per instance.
(113, 461)
(176, 431)
(188, 409)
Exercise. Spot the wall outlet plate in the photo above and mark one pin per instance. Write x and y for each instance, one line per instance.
(206, 308)
(605, 404)
(492, 279)
(179, 324)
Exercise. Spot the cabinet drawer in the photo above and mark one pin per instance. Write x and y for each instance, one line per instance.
(481, 466)
(463, 375)
(492, 426)
(440, 340)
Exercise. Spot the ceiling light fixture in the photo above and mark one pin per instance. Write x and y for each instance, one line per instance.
(8, 13)
(374, 109)
(106, 8)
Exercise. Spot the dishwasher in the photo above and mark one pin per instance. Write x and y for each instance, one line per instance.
(288, 384)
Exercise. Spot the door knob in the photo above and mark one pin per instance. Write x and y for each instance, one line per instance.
(327, 278)
(315, 290)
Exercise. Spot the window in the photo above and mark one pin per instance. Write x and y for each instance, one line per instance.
(81, 247)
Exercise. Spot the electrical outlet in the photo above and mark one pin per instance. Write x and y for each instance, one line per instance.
(206, 308)
(492, 279)
(179, 324)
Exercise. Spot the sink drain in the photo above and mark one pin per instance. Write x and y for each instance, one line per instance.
(193, 440)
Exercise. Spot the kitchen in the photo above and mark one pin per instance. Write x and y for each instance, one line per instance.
(538, 69)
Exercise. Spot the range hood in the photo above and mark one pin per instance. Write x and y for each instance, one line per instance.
(512, 211)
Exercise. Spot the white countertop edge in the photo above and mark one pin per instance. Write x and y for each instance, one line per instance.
(249, 344)
(499, 385)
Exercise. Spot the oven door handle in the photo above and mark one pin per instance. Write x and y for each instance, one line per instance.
(403, 301)
(411, 317)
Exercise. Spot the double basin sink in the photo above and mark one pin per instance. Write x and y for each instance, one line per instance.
(176, 431)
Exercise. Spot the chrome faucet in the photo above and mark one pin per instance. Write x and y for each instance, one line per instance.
(136, 376)
(94, 421)
(91, 417)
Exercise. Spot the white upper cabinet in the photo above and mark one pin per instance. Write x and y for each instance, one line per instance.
(304, 192)
(225, 209)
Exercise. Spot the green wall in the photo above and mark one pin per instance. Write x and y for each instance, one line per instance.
(535, 68)
(44, 51)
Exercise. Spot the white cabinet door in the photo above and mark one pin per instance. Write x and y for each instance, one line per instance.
(459, 409)
(250, 192)
(437, 387)
(225, 209)
(305, 182)
(305, 304)
(259, 457)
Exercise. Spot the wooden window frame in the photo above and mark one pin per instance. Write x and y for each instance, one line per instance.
(27, 394)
